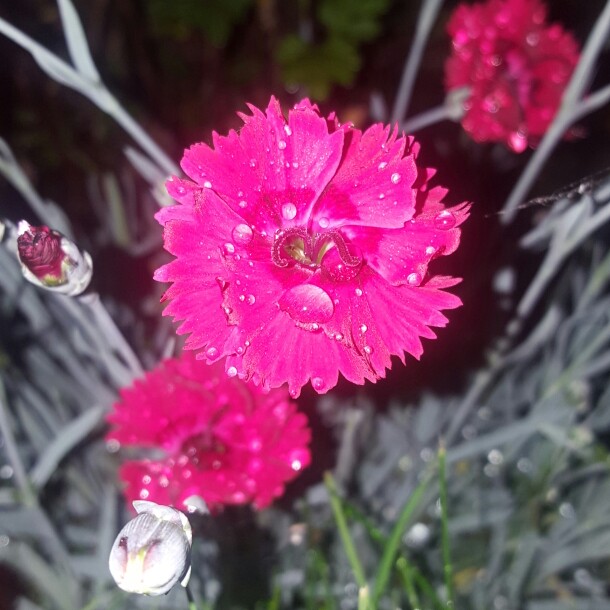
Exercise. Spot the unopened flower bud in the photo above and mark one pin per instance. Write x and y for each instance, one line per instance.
(50, 260)
(153, 551)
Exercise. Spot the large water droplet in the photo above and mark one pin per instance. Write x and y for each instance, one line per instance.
(250, 299)
(289, 211)
(231, 371)
(242, 234)
(444, 220)
(211, 353)
(324, 222)
(358, 292)
(363, 328)
(281, 145)
(307, 304)
(207, 184)
(368, 350)
(395, 178)
(317, 383)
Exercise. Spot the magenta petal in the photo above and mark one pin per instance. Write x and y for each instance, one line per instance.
(269, 163)
(372, 186)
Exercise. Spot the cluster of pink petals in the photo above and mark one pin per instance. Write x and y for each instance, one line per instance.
(302, 249)
(214, 437)
(515, 65)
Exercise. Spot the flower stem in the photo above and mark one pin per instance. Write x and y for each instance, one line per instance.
(346, 538)
(391, 548)
(405, 570)
(447, 567)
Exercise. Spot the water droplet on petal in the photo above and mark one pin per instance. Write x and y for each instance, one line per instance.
(242, 234)
(231, 371)
(295, 164)
(281, 145)
(307, 304)
(338, 337)
(181, 190)
(296, 465)
(229, 248)
(251, 299)
(430, 250)
(444, 220)
(242, 204)
(289, 211)
(363, 328)
(252, 162)
(382, 165)
(414, 279)
(368, 350)
(358, 292)
(317, 383)
(395, 178)
(207, 184)
(324, 222)
(287, 130)
(211, 353)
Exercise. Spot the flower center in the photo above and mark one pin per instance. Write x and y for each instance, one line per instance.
(328, 250)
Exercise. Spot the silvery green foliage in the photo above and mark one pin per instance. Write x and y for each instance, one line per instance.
(529, 483)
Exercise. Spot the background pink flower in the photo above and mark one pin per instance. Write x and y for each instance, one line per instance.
(302, 249)
(516, 66)
(213, 436)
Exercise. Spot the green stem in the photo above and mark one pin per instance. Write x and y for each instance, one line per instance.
(346, 538)
(391, 548)
(447, 568)
(405, 570)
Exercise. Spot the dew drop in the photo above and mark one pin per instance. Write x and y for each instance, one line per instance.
(307, 304)
(287, 130)
(444, 220)
(242, 234)
(382, 165)
(181, 190)
(146, 479)
(212, 353)
(289, 211)
(251, 299)
(430, 250)
(324, 222)
(293, 393)
(229, 248)
(368, 350)
(144, 493)
(281, 145)
(231, 371)
(414, 279)
(242, 204)
(395, 178)
(317, 383)
(242, 297)
(517, 141)
(338, 337)
(296, 465)
(381, 196)
(363, 328)
(207, 184)
(358, 292)
(253, 163)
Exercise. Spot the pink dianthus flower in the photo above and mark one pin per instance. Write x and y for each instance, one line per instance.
(302, 249)
(515, 65)
(215, 437)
